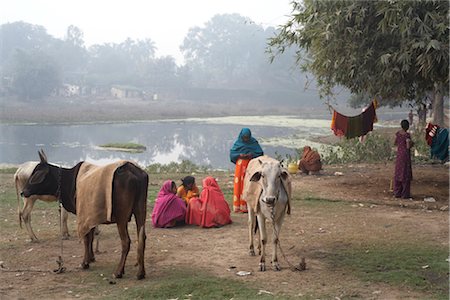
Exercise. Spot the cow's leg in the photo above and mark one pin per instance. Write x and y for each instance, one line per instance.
(140, 216)
(97, 239)
(65, 229)
(263, 236)
(88, 253)
(125, 241)
(275, 242)
(251, 227)
(28, 204)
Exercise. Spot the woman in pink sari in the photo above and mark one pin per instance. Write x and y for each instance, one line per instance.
(169, 208)
(211, 209)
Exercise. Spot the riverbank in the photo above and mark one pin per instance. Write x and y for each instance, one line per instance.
(358, 242)
(87, 110)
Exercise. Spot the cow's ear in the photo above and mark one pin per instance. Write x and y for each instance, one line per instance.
(256, 177)
(284, 174)
(42, 156)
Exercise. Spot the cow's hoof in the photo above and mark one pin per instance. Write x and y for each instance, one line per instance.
(140, 276)
(276, 266)
(65, 237)
(262, 267)
(117, 275)
(92, 259)
(84, 266)
(34, 240)
(251, 252)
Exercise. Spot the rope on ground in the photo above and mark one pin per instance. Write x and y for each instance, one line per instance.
(301, 266)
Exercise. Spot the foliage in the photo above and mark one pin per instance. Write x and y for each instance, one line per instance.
(35, 74)
(185, 166)
(375, 148)
(395, 50)
(128, 146)
(399, 264)
(228, 51)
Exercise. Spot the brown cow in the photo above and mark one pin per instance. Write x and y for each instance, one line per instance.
(128, 193)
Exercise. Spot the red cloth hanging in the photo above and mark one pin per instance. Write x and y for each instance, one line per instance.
(355, 126)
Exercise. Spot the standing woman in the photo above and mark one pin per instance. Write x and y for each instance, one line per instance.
(244, 149)
(403, 170)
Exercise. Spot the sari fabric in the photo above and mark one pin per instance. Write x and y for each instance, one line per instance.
(239, 204)
(355, 126)
(438, 139)
(403, 169)
(211, 209)
(310, 161)
(240, 147)
(187, 195)
(169, 208)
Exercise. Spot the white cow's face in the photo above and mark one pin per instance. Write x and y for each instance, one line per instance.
(270, 178)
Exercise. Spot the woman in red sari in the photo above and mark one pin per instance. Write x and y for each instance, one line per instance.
(244, 149)
(211, 209)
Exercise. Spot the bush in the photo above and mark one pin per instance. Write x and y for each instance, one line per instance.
(375, 148)
(185, 166)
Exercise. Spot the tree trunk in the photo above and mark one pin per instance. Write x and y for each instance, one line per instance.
(438, 105)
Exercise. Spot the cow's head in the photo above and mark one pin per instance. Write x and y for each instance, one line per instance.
(42, 181)
(270, 178)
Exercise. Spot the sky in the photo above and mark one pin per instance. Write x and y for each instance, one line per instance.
(165, 22)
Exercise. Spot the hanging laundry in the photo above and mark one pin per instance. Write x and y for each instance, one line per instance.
(437, 138)
(356, 126)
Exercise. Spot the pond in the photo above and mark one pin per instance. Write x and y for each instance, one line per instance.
(204, 141)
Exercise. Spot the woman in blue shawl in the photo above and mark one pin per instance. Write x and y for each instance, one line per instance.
(244, 149)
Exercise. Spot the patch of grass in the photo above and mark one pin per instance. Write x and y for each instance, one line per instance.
(8, 170)
(418, 266)
(125, 147)
(188, 284)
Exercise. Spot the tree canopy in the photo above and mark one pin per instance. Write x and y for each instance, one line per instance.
(392, 50)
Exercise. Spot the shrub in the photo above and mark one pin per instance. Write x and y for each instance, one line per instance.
(185, 166)
(375, 148)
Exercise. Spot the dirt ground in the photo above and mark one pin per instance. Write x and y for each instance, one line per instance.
(365, 211)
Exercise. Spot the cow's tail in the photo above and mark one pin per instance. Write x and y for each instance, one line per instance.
(19, 211)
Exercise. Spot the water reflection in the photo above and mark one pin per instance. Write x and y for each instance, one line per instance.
(202, 143)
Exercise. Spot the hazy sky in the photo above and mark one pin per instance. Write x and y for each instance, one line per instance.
(166, 22)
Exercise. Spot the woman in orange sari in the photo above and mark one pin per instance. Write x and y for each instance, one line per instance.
(244, 149)
(211, 209)
(187, 189)
(310, 161)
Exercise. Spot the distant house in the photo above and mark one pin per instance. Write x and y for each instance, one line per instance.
(67, 90)
(120, 91)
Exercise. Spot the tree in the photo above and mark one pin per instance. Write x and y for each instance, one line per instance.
(35, 74)
(394, 50)
(223, 51)
(21, 35)
(124, 63)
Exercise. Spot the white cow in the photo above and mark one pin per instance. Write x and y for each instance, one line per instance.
(20, 179)
(267, 190)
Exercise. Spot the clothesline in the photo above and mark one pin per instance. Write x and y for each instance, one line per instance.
(355, 126)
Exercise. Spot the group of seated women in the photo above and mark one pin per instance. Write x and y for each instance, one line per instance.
(186, 205)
